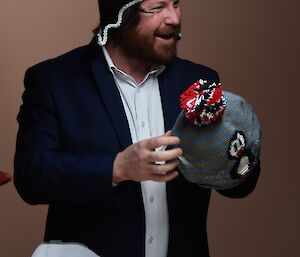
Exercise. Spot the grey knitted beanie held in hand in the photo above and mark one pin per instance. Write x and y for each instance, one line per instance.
(220, 136)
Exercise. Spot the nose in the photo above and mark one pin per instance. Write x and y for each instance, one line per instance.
(173, 16)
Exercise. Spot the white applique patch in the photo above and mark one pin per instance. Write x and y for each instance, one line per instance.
(237, 145)
(237, 151)
(243, 168)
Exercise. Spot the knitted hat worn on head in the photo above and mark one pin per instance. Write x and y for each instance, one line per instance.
(111, 15)
(220, 136)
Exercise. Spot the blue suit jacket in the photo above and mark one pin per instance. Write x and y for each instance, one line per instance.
(72, 125)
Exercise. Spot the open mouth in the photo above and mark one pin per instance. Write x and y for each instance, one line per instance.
(167, 36)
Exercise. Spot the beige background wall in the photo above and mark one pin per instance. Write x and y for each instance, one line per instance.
(254, 45)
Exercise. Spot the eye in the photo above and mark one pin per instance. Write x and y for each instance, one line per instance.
(235, 147)
(176, 4)
(157, 8)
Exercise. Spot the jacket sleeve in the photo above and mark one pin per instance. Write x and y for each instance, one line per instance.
(44, 173)
(246, 187)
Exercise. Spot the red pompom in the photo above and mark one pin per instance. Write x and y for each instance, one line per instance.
(203, 102)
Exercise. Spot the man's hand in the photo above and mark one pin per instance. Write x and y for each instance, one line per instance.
(138, 161)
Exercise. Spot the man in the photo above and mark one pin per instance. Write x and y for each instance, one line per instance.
(92, 126)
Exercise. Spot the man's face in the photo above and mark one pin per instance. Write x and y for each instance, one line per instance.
(154, 39)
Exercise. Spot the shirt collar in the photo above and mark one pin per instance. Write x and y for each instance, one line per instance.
(113, 68)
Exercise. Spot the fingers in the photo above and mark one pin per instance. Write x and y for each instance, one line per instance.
(167, 155)
(156, 142)
(162, 169)
(168, 133)
(166, 177)
(137, 162)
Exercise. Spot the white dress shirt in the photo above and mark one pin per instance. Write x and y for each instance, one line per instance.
(142, 104)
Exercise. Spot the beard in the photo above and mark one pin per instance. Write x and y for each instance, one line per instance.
(144, 46)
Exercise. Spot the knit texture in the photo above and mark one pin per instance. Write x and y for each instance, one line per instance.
(222, 154)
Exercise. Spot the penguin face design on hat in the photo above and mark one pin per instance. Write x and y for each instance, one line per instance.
(237, 151)
(237, 145)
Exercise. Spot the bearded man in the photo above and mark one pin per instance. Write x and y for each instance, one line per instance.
(92, 126)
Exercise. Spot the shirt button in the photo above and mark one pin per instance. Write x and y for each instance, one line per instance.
(143, 124)
(139, 91)
(150, 239)
(152, 199)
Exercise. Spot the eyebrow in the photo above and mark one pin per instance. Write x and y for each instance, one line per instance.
(154, 2)
(160, 2)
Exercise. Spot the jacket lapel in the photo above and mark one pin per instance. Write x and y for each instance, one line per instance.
(169, 84)
(111, 97)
